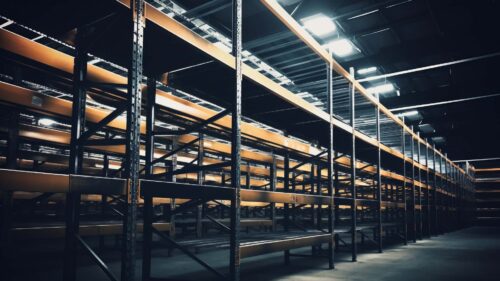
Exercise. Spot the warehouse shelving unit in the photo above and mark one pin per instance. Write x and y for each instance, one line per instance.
(487, 195)
(357, 172)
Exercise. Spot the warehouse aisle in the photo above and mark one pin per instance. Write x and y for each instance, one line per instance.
(469, 254)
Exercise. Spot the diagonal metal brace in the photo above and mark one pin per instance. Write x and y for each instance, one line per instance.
(218, 223)
(194, 169)
(172, 152)
(105, 121)
(308, 160)
(188, 253)
(195, 127)
(96, 258)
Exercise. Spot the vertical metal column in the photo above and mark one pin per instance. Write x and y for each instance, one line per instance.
(234, 259)
(330, 167)
(336, 186)
(104, 198)
(172, 177)
(273, 182)
(312, 182)
(379, 178)
(148, 200)
(147, 237)
(132, 147)
(453, 194)
(413, 203)
(75, 158)
(150, 122)
(441, 196)
(405, 213)
(428, 197)
(446, 178)
(420, 217)
(200, 179)
(352, 104)
(319, 211)
(286, 210)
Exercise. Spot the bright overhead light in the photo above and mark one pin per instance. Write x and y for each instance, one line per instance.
(46, 122)
(319, 25)
(438, 139)
(340, 47)
(381, 89)
(367, 70)
(408, 113)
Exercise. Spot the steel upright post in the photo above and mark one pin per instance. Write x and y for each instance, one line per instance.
(379, 178)
(132, 146)
(150, 122)
(312, 180)
(448, 194)
(104, 198)
(447, 185)
(413, 203)
(75, 157)
(405, 213)
(319, 211)
(272, 184)
(148, 208)
(442, 196)
(427, 197)
(336, 194)
(330, 167)
(234, 260)
(352, 104)
(420, 217)
(286, 209)
(200, 178)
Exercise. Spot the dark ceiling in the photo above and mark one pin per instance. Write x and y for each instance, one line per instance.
(394, 36)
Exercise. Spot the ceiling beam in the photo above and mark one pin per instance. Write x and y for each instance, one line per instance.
(443, 103)
(429, 67)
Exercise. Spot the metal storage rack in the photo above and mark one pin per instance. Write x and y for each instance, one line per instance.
(487, 194)
(344, 181)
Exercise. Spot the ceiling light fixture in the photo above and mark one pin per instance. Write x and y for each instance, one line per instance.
(340, 47)
(381, 89)
(367, 70)
(408, 113)
(319, 25)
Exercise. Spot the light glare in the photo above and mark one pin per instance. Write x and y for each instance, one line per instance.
(381, 89)
(367, 70)
(319, 25)
(340, 47)
(46, 122)
(409, 113)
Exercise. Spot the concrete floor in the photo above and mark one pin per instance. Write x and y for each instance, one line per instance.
(470, 254)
